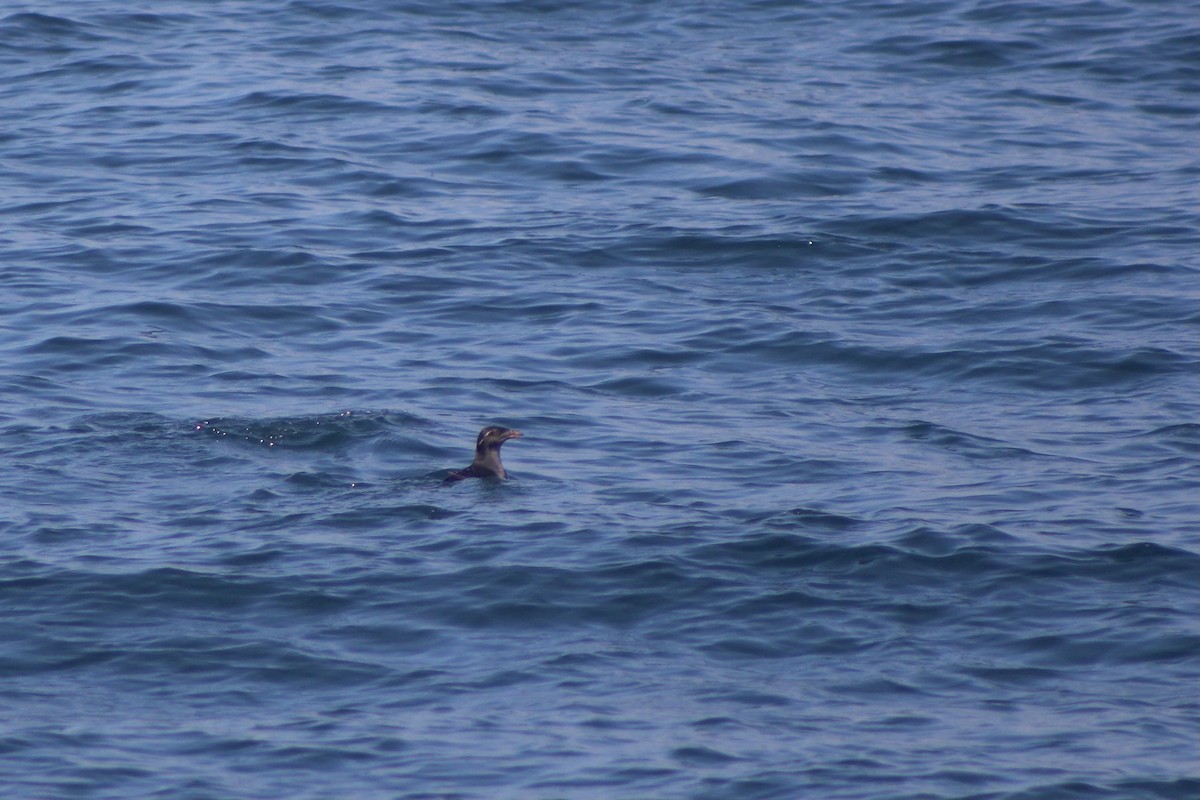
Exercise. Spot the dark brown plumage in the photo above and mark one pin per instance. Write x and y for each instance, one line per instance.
(487, 455)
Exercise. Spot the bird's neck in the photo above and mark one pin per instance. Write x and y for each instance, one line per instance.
(489, 458)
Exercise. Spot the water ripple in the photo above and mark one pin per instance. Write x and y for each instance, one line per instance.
(854, 347)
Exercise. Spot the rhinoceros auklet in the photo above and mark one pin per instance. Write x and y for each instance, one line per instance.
(487, 455)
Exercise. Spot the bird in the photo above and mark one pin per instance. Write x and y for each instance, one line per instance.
(487, 455)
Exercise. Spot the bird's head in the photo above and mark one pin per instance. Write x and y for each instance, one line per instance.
(493, 436)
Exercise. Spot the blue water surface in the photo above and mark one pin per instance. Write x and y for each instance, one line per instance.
(856, 346)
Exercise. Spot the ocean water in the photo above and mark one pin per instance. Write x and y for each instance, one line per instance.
(856, 346)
